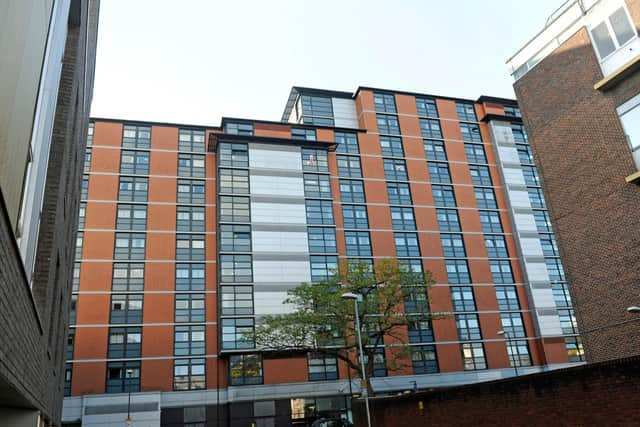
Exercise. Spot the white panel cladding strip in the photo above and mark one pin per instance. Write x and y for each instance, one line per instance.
(278, 213)
(509, 155)
(519, 199)
(275, 157)
(543, 296)
(278, 271)
(344, 113)
(549, 324)
(531, 246)
(537, 272)
(279, 241)
(513, 175)
(525, 222)
(276, 185)
(269, 302)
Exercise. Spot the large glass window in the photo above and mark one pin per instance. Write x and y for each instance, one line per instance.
(519, 132)
(439, 172)
(525, 154)
(507, 297)
(490, 221)
(303, 134)
(391, 146)
(466, 112)
(129, 246)
(568, 322)
(407, 244)
(126, 308)
(131, 217)
(238, 128)
(322, 240)
(434, 149)
(395, 170)
(384, 102)
(127, 277)
(513, 324)
(501, 271)
(189, 308)
(320, 212)
(402, 218)
(191, 165)
(561, 295)
(125, 343)
(190, 247)
(452, 245)
(235, 238)
(347, 142)
(349, 166)
(443, 196)
(555, 270)
(245, 369)
(237, 334)
(236, 269)
(388, 124)
(190, 218)
(190, 191)
(427, 107)
(189, 340)
(322, 267)
(531, 175)
(322, 367)
(237, 300)
(134, 162)
(233, 154)
(457, 271)
(475, 153)
(136, 137)
(234, 209)
(190, 277)
(358, 243)
(518, 352)
(536, 198)
(448, 220)
(191, 140)
(549, 245)
(612, 33)
(317, 110)
(470, 132)
(430, 128)
(468, 327)
(485, 198)
(87, 160)
(420, 331)
(496, 246)
(480, 175)
(575, 351)
(316, 185)
(399, 193)
(351, 191)
(189, 374)
(424, 359)
(462, 298)
(123, 376)
(314, 160)
(543, 222)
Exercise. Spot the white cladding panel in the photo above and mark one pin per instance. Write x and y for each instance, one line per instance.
(260, 156)
(525, 222)
(277, 185)
(279, 241)
(519, 199)
(531, 246)
(537, 271)
(278, 213)
(543, 297)
(549, 325)
(271, 303)
(508, 154)
(513, 176)
(502, 132)
(278, 271)
(344, 113)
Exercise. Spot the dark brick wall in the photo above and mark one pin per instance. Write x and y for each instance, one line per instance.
(34, 322)
(582, 156)
(600, 394)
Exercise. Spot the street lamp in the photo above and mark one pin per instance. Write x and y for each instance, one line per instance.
(365, 391)
(128, 420)
(512, 356)
(633, 309)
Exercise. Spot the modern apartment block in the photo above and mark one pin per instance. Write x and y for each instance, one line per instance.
(48, 54)
(189, 234)
(578, 85)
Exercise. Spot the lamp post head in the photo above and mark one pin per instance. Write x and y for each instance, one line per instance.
(506, 334)
(352, 296)
(633, 309)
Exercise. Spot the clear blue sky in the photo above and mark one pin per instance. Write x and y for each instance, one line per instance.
(194, 61)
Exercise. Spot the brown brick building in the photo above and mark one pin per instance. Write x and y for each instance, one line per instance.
(578, 85)
(48, 54)
(189, 233)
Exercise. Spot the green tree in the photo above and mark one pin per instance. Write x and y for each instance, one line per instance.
(321, 321)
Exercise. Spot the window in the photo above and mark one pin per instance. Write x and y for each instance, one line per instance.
(131, 217)
(188, 341)
(443, 196)
(575, 351)
(127, 277)
(391, 146)
(629, 113)
(415, 298)
(346, 142)
(234, 209)
(190, 218)
(384, 102)
(190, 277)
(402, 218)
(319, 212)
(82, 214)
(406, 244)
(191, 165)
(612, 33)
(245, 369)
(317, 110)
(84, 191)
(473, 356)
(322, 367)
(485, 198)
(125, 343)
(398, 193)
(531, 175)
(468, 327)
(234, 181)
(496, 246)
(490, 221)
(245, 129)
(554, 267)
(189, 374)
(316, 185)
(561, 295)
(322, 240)
(349, 166)
(470, 132)
(237, 334)
(480, 175)
(134, 162)
(314, 160)
(420, 331)
(434, 149)
(439, 172)
(519, 133)
(457, 271)
(123, 377)
(190, 247)
(235, 269)
(76, 277)
(507, 297)
(475, 153)
(395, 170)
(549, 245)
(351, 191)
(525, 154)
(388, 124)
(235, 238)
(430, 128)
(379, 363)
(466, 112)
(303, 134)
(511, 110)
(424, 360)
(90, 133)
(501, 271)
(518, 352)
(452, 245)
(513, 324)
(568, 322)
(322, 267)
(358, 243)
(129, 246)
(87, 160)
(237, 300)
(68, 370)
(73, 310)
(233, 154)
(191, 140)
(536, 198)
(71, 336)
(448, 220)
(189, 308)
(462, 298)
(136, 137)
(543, 222)
(126, 308)
(427, 107)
